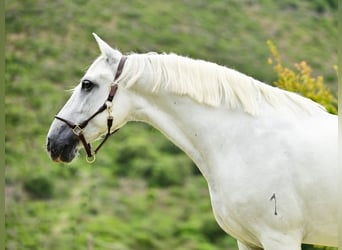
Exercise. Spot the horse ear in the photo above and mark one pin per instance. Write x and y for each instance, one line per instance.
(108, 52)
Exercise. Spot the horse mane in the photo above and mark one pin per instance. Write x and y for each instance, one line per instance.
(210, 83)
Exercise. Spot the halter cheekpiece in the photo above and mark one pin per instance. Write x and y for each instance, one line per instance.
(78, 129)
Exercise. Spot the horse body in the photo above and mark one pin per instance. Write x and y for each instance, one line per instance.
(271, 172)
(246, 160)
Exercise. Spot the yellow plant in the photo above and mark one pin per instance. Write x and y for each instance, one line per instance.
(300, 80)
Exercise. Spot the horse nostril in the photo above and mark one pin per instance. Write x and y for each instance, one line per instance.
(54, 151)
(48, 145)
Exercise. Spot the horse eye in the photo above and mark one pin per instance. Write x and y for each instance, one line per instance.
(87, 85)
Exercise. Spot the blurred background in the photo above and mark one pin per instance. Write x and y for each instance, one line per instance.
(142, 192)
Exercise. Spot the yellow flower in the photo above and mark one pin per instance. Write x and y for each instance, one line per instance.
(300, 80)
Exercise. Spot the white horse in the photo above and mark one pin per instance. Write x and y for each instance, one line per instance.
(269, 156)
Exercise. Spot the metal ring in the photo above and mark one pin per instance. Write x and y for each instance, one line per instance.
(91, 159)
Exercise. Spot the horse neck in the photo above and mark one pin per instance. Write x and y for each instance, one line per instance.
(193, 127)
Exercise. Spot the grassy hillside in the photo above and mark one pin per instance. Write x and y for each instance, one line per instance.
(142, 193)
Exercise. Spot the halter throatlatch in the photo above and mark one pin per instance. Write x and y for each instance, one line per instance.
(78, 129)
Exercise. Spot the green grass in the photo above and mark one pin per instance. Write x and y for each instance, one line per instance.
(142, 193)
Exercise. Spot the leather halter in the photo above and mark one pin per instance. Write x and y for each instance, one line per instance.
(78, 129)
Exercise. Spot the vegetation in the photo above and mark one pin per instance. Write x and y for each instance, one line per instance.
(302, 81)
(142, 192)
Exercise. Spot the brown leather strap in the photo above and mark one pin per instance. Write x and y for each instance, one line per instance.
(112, 92)
(120, 67)
(69, 123)
(104, 140)
(100, 110)
(86, 145)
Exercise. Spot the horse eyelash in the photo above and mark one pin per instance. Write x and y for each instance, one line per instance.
(71, 90)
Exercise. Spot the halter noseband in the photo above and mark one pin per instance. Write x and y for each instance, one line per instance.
(77, 129)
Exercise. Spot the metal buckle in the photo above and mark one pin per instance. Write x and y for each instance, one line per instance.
(109, 107)
(77, 130)
(109, 104)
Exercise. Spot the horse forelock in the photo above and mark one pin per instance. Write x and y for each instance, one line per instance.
(209, 83)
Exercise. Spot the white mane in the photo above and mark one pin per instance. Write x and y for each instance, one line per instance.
(209, 83)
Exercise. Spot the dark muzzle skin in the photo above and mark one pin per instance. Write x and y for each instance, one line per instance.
(62, 144)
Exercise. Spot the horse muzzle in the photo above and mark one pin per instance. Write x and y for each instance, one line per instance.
(62, 146)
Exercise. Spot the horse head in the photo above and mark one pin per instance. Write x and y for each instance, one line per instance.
(98, 106)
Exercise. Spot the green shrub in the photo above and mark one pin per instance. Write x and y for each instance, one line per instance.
(39, 187)
(301, 81)
(170, 170)
(211, 230)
